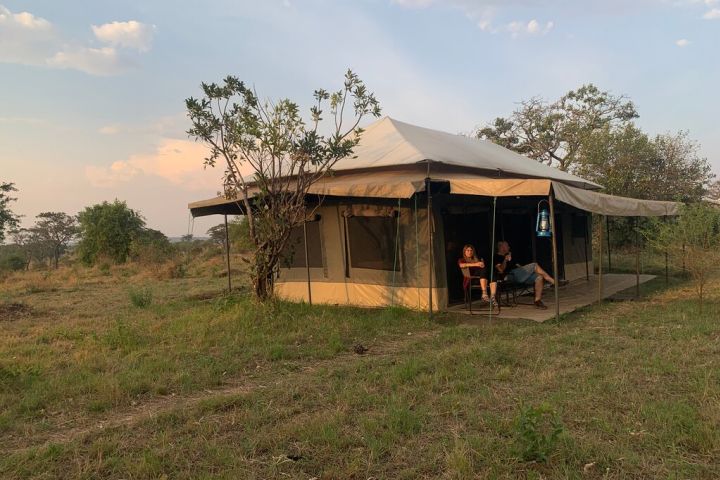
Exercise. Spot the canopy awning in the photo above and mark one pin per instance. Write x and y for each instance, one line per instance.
(613, 205)
(404, 184)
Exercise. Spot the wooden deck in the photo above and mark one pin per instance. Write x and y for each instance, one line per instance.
(576, 294)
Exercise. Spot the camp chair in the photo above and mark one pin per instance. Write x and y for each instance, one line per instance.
(514, 290)
(473, 283)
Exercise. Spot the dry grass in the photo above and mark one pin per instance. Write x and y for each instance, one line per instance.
(203, 385)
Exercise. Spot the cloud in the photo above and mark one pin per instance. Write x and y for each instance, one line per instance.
(484, 12)
(169, 126)
(22, 20)
(533, 27)
(95, 61)
(683, 42)
(27, 39)
(712, 14)
(130, 34)
(179, 162)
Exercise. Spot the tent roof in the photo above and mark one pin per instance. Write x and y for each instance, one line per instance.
(391, 143)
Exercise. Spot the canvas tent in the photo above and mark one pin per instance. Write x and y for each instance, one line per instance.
(392, 220)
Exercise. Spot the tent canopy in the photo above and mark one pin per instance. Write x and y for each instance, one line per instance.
(391, 143)
(393, 160)
(406, 184)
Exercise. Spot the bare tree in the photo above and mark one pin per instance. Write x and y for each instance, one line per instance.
(272, 156)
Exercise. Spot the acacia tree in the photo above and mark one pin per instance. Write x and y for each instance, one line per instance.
(8, 220)
(272, 156)
(554, 133)
(56, 230)
(31, 246)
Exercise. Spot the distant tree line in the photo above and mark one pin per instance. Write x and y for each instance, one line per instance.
(102, 234)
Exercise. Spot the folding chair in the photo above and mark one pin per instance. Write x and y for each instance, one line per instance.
(471, 282)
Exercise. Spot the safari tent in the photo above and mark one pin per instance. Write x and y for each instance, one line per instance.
(392, 221)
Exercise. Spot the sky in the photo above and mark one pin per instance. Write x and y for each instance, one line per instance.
(92, 98)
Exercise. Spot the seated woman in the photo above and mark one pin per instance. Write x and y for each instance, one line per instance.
(475, 268)
(530, 274)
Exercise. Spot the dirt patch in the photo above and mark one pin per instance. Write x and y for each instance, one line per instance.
(14, 311)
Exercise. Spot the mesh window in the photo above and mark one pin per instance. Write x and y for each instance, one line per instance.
(372, 242)
(293, 255)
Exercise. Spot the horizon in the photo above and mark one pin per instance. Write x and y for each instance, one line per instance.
(94, 97)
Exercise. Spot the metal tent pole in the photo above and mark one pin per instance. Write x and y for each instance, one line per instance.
(430, 241)
(607, 229)
(307, 262)
(600, 260)
(227, 254)
(587, 266)
(667, 279)
(492, 261)
(637, 259)
(551, 201)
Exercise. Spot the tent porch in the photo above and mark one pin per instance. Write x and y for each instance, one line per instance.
(573, 296)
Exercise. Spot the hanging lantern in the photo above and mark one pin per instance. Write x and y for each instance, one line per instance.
(542, 226)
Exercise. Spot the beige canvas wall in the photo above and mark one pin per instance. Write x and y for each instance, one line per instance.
(360, 286)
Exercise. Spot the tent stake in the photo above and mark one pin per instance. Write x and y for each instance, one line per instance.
(307, 261)
(551, 201)
(227, 255)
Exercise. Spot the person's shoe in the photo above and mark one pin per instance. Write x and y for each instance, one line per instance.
(485, 298)
(539, 304)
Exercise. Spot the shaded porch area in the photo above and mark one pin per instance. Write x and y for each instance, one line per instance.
(575, 295)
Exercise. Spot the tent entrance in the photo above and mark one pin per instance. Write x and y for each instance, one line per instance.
(514, 223)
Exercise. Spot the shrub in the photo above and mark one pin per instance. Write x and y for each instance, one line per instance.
(538, 430)
(150, 246)
(140, 297)
(13, 263)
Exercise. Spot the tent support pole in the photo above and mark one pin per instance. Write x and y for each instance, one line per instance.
(600, 260)
(551, 201)
(430, 241)
(587, 266)
(492, 267)
(667, 277)
(607, 234)
(307, 261)
(227, 254)
(637, 259)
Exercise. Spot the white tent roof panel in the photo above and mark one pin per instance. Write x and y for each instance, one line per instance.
(391, 143)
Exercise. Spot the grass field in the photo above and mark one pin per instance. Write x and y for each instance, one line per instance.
(120, 375)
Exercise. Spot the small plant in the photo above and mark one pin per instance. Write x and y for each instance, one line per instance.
(140, 297)
(538, 430)
(104, 268)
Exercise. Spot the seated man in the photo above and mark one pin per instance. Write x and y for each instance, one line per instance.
(530, 274)
(475, 268)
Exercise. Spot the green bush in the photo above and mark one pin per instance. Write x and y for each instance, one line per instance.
(538, 430)
(13, 263)
(140, 297)
(150, 246)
